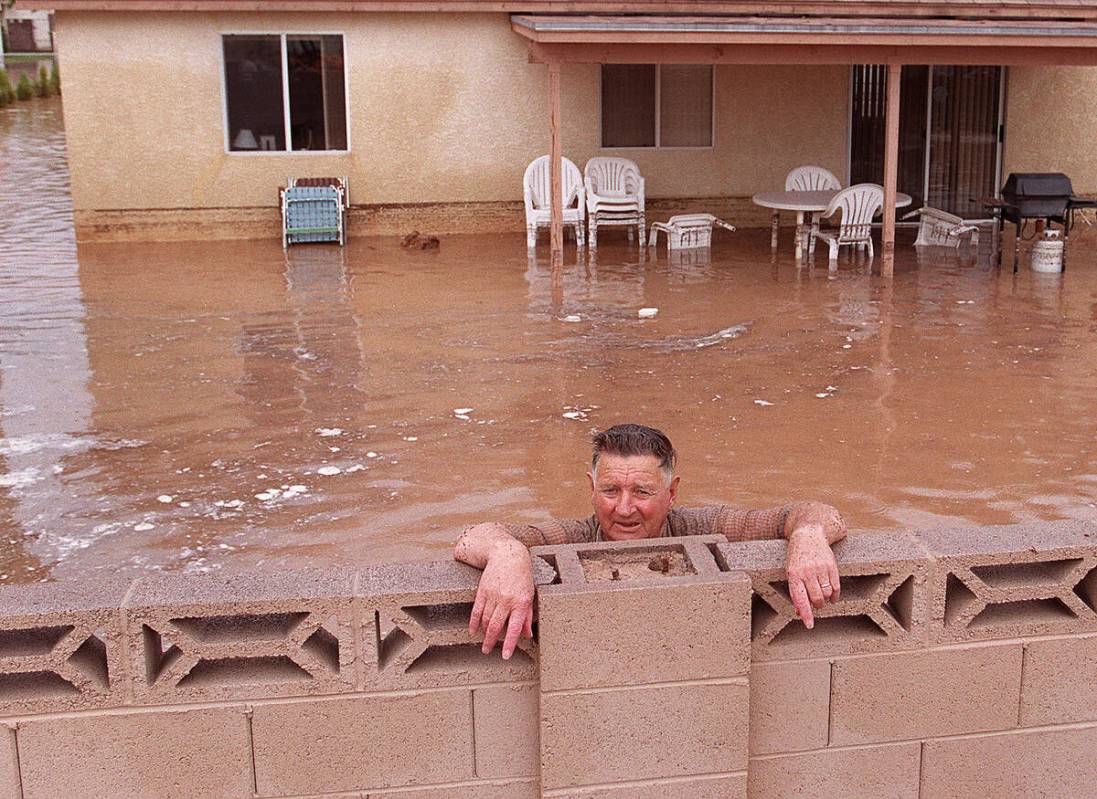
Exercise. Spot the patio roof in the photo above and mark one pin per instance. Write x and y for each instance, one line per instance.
(797, 40)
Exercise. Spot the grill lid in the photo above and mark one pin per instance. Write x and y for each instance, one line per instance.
(1032, 185)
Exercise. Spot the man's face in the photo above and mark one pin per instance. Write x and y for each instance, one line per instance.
(631, 496)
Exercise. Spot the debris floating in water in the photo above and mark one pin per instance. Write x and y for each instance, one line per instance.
(463, 413)
(647, 313)
(328, 471)
(143, 526)
(372, 454)
(411, 438)
(573, 318)
(763, 403)
(734, 331)
(328, 432)
(165, 498)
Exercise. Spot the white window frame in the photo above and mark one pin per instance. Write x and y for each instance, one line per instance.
(659, 116)
(285, 95)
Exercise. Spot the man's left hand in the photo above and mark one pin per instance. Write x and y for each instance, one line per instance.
(812, 571)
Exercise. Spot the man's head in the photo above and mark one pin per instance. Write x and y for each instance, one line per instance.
(632, 481)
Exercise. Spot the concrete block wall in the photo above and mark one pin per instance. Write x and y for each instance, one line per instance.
(958, 663)
(292, 684)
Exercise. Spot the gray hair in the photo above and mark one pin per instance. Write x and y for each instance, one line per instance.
(635, 439)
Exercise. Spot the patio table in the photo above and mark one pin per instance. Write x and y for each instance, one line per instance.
(804, 202)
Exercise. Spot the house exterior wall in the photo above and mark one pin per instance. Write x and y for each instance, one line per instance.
(1051, 124)
(444, 109)
(445, 113)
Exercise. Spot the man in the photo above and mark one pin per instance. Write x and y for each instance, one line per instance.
(633, 490)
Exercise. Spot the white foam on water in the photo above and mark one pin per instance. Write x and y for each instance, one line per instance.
(21, 478)
(329, 471)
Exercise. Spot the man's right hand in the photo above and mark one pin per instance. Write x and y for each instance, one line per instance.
(504, 598)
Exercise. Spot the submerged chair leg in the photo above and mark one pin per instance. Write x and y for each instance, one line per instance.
(531, 236)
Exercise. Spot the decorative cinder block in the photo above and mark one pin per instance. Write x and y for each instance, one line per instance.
(1013, 581)
(258, 634)
(651, 732)
(325, 745)
(882, 605)
(1030, 763)
(506, 724)
(187, 754)
(414, 628)
(1059, 681)
(926, 694)
(789, 706)
(876, 771)
(61, 646)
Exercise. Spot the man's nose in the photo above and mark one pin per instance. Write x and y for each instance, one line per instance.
(624, 504)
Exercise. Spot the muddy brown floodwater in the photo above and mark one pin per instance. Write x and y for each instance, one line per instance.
(216, 405)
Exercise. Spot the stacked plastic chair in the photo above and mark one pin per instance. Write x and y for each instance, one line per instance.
(314, 210)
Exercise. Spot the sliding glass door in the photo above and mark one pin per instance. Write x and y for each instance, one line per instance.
(949, 133)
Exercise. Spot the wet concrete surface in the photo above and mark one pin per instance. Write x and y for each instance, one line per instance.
(216, 405)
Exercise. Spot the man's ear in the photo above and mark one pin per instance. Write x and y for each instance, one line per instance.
(674, 488)
(590, 479)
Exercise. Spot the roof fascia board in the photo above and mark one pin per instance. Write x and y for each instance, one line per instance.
(791, 54)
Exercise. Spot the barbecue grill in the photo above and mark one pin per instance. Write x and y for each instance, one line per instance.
(1041, 196)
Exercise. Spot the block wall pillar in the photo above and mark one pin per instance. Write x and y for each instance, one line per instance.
(645, 657)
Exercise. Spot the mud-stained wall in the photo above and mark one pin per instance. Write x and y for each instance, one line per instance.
(445, 108)
(1051, 123)
(958, 663)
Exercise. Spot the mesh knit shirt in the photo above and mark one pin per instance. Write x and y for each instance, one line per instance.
(735, 524)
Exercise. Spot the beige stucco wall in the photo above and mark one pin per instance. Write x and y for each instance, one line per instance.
(444, 108)
(1051, 123)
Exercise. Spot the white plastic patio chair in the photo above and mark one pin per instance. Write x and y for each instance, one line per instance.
(811, 178)
(942, 229)
(858, 204)
(808, 178)
(687, 231)
(536, 193)
(615, 196)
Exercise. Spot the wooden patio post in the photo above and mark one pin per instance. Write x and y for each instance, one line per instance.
(556, 231)
(891, 169)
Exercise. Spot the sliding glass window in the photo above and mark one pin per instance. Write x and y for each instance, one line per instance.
(285, 88)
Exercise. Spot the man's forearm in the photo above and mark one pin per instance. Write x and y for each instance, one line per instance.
(479, 543)
(815, 515)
